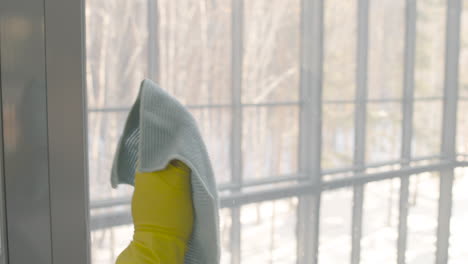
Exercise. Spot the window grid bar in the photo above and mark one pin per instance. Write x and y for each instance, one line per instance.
(236, 126)
(407, 126)
(351, 101)
(153, 40)
(311, 61)
(201, 106)
(448, 146)
(433, 98)
(263, 181)
(248, 197)
(271, 104)
(125, 200)
(306, 188)
(328, 185)
(380, 100)
(379, 164)
(229, 186)
(226, 187)
(360, 126)
(303, 176)
(229, 199)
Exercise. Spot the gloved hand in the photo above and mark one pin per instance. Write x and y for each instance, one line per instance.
(162, 213)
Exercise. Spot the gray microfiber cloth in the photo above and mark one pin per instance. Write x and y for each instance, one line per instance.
(158, 130)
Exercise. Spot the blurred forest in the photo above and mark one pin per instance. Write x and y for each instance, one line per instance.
(186, 47)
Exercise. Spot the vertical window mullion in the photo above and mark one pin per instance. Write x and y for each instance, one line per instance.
(153, 40)
(66, 126)
(449, 125)
(407, 127)
(360, 126)
(310, 128)
(236, 126)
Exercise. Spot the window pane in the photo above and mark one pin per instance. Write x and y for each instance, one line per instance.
(275, 223)
(337, 135)
(271, 51)
(108, 243)
(459, 232)
(115, 51)
(380, 222)
(269, 141)
(104, 130)
(386, 48)
(335, 226)
(195, 45)
(462, 127)
(215, 127)
(103, 134)
(383, 132)
(430, 48)
(464, 51)
(422, 218)
(225, 234)
(427, 123)
(339, 69)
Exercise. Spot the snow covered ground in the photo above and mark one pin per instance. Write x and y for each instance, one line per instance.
(268, 229)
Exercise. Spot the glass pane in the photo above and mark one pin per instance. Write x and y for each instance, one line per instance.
(380, 222)
(192, 45)
(104, 130)
(337, 135)
(335, 226)
(215, 127)
(422, 218)
(271, 51)
(103, 134)
(116, 57)
(462, 127)
(383, 132)
(459, 232)
(269, 141)
(275, 223)
(108, 243)
(386, 48)
(225, 230)
(464, 51)
(339, 68)
(430, 48)
(427, 125)
(195, 45)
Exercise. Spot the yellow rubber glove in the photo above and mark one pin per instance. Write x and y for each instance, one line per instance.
(162, 213)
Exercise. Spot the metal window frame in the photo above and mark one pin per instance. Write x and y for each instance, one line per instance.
(237, 28)
(67, 130)
(360, 126)
(449, 126)
(407, 126)
(310, 129)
